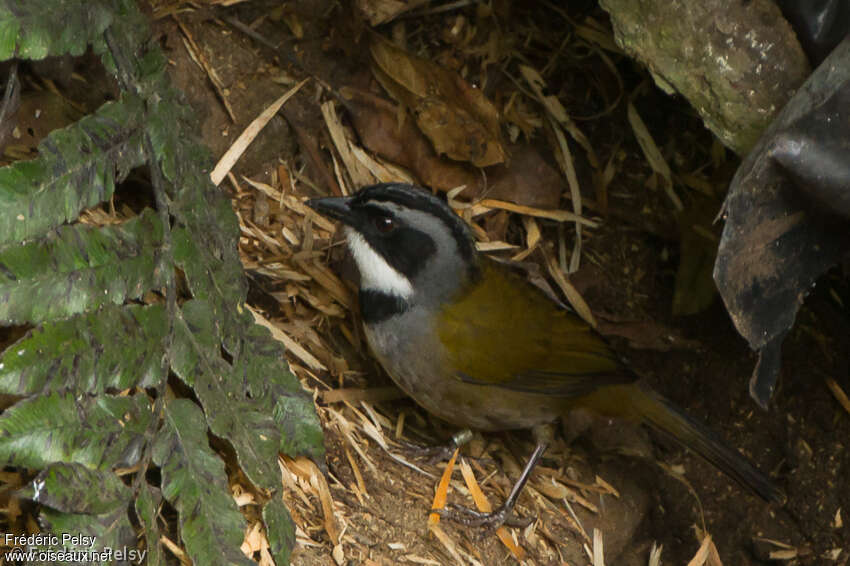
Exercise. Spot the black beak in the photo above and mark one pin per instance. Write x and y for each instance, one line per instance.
(333, 207)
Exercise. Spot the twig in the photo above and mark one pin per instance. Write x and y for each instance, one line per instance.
(653, 155)
(448, 7)
(356, 394)
(838, 393)
(232, 155)
(566, 162)
(251, 33)
(598, 553)
(198, 57)
(558, 215)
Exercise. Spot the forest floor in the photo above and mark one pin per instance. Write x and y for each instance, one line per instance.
(637, 494)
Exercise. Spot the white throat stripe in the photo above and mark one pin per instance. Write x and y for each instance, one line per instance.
(375, 273)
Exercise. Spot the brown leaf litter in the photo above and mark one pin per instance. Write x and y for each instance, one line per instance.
(286, 241)
(547, 201)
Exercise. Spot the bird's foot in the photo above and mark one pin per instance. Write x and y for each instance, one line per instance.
(441, 453)
(490, 521)
(504, 514)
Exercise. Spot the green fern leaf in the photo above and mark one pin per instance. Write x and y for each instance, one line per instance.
(193, 481)
(78, 284)
(79, 268)
(34, 29)
(230, 414)
(280, 530)
(77, 168)
(111, 530)
(221, 286)
(148, 502)
(273, 386)
(113, 348)
(73, 488)
(97, 432)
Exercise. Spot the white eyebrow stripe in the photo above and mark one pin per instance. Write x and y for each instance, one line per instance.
(375, 273)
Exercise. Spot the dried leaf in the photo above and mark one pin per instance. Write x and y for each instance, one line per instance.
(377, 125)
(653, 154)
(382, 11)
(706, 555)
(558, 215)
(527, 180)
(558, 112)
(358, 174)
(573, 296)
(458, 119)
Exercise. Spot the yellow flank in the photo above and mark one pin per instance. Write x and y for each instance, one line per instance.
(503, 331)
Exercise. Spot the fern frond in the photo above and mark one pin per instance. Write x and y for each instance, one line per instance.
(193, 481)
(80, 268)
(98, 432)
(113, 348)
(94, 367)
(35, 29)
(77, 168)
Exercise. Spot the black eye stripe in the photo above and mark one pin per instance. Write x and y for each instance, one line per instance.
(378, 218)
(416, 198)
(384, 224)
(404, 247)
(373, 211)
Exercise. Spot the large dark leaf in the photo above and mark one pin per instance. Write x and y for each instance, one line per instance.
(787, 215)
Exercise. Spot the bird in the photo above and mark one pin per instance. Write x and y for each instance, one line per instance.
(477, 345)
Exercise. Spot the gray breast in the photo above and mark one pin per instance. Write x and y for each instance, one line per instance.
(408, 348)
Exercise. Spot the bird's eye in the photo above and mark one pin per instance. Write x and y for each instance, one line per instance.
(384, 224)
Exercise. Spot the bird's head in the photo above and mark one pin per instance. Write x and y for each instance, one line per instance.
(409, 246)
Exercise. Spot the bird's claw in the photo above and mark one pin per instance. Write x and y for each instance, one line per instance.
(491, 520)
(504, 514)
(431, 454)
(437, 454)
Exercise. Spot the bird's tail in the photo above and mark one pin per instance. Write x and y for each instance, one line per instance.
(661, 414)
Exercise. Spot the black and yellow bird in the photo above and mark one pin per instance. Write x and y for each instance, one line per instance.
(478, 346)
